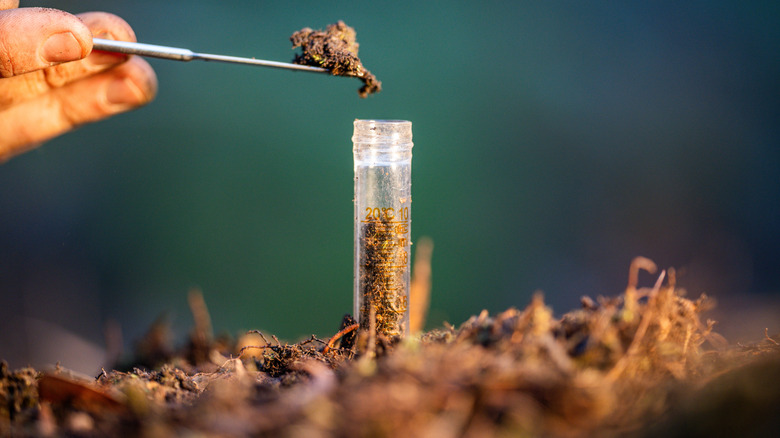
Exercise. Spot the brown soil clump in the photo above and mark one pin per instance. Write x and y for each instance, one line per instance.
(335, 49)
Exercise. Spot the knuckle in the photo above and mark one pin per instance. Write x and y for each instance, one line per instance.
(58, 75)
(22, 87)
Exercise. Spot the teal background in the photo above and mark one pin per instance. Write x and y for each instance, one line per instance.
(554, 141)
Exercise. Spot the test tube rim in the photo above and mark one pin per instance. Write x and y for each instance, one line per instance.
(397, 133)
(388, 121)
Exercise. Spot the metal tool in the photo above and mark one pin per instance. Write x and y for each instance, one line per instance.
(178, 54)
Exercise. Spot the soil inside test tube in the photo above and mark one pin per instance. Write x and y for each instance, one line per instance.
(335, 49)
(383, 264)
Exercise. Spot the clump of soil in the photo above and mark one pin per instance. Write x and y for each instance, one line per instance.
(18, 395)
(637, 364)
(335, 49)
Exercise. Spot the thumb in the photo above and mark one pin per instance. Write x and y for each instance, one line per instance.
(36, 38)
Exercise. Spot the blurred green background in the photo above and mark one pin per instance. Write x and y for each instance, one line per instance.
(554, 141)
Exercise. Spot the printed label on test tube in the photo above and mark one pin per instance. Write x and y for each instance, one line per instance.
(383, 200)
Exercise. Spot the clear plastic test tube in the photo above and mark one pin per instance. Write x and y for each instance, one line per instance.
(383, 199)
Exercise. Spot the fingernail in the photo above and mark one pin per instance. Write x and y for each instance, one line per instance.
(124, 92)
(61, 47)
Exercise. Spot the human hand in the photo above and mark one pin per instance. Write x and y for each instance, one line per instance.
(43, 94)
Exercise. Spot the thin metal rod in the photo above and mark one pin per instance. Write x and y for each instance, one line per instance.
(178, 54)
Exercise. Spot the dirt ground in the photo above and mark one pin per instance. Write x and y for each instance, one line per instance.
(644, 363)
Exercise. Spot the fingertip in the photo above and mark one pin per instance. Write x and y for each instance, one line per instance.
(36, 38)
(108, 26)
(144, 74)
(54, 22)
(134, 84)
(97, 25)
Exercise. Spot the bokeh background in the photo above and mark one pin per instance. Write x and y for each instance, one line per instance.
(554, 141)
